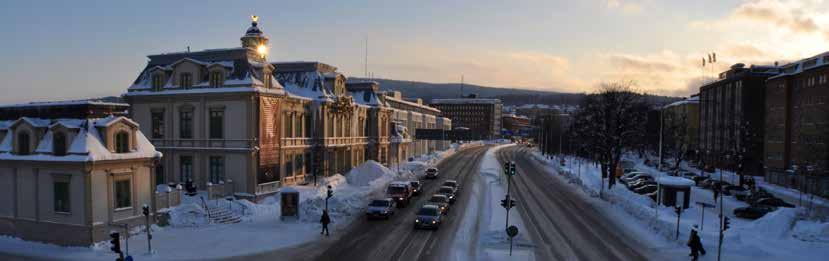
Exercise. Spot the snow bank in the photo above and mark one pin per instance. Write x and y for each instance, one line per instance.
(773, 225)
(188, 215)
(368, 172)
(811, 231)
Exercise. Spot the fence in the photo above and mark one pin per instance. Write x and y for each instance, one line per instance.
(169, 198)
(220, 190)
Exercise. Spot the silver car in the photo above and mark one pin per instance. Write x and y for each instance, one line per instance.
(381, 208)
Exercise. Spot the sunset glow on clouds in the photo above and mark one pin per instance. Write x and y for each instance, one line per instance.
(555, 45)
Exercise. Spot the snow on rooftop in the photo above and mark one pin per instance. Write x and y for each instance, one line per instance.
(466, 101)
(803, 64)
(208, 90)
(674, 181)
(63, 103)
(87, 144)
(691, 100)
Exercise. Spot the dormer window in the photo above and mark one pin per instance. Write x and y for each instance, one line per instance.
(24, 143)
(122, 142)
(185, 80)
(158, 81)
(217, 78)
(59, 144)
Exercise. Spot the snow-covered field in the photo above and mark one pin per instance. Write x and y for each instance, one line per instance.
(190, 235)
(782, 234)
(481, 235)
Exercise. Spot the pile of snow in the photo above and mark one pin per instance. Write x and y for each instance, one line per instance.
(811, 231)
(773, 225)
(368, 172)
(188, 215)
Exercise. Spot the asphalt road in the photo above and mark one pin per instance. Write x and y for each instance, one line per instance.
(560, 223)
(395, 239)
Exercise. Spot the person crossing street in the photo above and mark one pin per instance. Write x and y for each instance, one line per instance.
(325, 220)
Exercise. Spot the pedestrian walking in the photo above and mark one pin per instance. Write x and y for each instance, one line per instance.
(695, 244)
(325, 220)
(716, 190)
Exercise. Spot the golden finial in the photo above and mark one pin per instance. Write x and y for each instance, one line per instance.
(254, 18)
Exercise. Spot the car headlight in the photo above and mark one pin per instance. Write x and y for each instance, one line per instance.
(401, 198)
(417, 220)
(441, 207)
(434, 222)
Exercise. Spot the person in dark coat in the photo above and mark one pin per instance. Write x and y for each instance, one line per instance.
(325, 219)
(695, 244)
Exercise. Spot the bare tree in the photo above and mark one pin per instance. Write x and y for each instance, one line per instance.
(676, 141)
(608, 123)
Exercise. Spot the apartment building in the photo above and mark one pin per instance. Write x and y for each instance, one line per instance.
(479, 115)
(797, 126)
(732, 115)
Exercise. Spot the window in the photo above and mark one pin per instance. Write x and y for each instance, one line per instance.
(186, 125)
(286, 125)
(298, 164)
(217, 124)
(59, 144)
(60, 190)
(158, 81)
(217, 169)
(186, 80)
(123, 195)
(23, 143)
(217, 78)
(122, 142)
(185, 168)
(159, 174)
(298, 128)
(289, 166)
(157, 122)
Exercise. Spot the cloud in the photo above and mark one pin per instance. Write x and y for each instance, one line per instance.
(790, 15)
(625, 6)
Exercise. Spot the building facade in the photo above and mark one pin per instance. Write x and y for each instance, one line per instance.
(680, 126)
(65, 178)
(515, 124)
(732, 115)
(479, 115)
(797, 126)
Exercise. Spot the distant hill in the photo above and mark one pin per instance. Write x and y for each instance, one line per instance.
(510, 96)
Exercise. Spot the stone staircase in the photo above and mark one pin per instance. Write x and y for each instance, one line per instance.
(220, 215)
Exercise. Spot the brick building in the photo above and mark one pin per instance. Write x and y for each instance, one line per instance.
(732, 111)
(797, 126)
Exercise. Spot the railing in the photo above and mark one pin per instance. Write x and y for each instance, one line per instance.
(205, 143)
(206, 209)
(345, 140)
(265, 188)
(295, 142)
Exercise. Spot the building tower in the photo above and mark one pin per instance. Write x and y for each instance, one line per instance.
(255, 39)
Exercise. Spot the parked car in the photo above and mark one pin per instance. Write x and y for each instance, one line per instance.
(758, 195)
(431, 173)
(452, 183)
(699, 180)
(649, 188)
(449, 192)
(415, 187)
(428, 217)
(400, 191)
(753, 212)
(774, 202)
(627, 179)
(629, 170)
(637, 182)
(442, 201)
(381, 208)
(732, 190)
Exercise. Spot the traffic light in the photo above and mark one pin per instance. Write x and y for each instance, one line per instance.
(504, 203)
(145, 209)
(507, 168)
(512, 168)
(726, 222)
(511, 203)
(116, 242)
(330, 192)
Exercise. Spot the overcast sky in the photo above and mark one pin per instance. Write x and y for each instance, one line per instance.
(79, 49)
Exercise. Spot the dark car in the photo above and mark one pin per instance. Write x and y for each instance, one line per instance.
(449, 192)
(428, 217)
(415, 188)
(732, 190)
(431, 173)
(753, 212)
(442, 201)
(646, 189)
(380, 208)
(639, 183)
(452, 183)
(774, 202)
(754, 197)
(699, 180)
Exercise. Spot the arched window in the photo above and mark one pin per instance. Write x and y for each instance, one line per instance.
(185, 80)
(23, 143)
(59, 144)
(158, 81)
(217, 78)
(122, 142)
